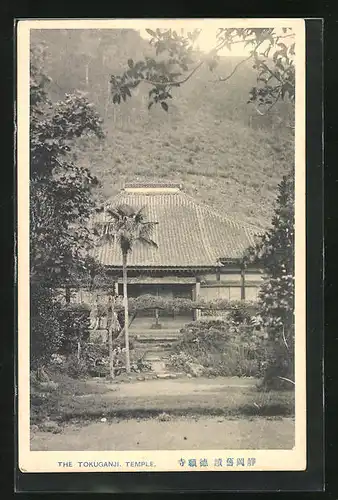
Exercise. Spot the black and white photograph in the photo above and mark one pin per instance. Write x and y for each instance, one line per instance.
(161, 245)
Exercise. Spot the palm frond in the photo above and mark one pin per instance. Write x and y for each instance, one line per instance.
(125, 210)
(112, 212)
(147, 241)
(139, 216)
(127, 225)
(146, 230)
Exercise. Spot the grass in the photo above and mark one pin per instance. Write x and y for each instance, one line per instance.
(81, 400)
(161, 414)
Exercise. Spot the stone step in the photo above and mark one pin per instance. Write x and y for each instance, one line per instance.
(157, 335)
(161, 356)
(154, 345)
(149, 331)
(155, 338)
(157, 347)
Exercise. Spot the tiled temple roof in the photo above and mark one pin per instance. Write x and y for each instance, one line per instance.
(188, 234)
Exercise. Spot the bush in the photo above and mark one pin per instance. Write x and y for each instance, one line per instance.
(94, 361)
(240, 314)
(223, 347)
(55, 328)
(180, 360)
(75, 323)
(203, 336)
(279, 372)
(76, 368)
(46, 332)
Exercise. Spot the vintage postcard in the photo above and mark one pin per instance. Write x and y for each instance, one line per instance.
(161, 245)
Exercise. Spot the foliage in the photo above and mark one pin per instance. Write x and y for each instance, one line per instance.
(181, 304)
(61, 192)
(208, 335)
(46, 333)
(76, 368)
(94, 361)
(74, 319)
(180, 61)
(127, 225)
(222, 347)
(180, 361)
(61, 199)
(276, 76)
(241, 312)
(275, 251)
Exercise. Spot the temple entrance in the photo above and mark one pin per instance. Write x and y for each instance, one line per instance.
(156, 319)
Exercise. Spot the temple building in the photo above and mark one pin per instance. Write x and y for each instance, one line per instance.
(199, 252)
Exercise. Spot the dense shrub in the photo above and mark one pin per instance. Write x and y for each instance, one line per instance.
(223, 347)
(279, 373)
(76, 368)
(94, 361)
(180, 360)
(275, 252)
(204, 336)
(240, 314)
(46, 333)
(75, 323)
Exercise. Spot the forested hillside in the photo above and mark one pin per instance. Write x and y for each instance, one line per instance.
(211, 140)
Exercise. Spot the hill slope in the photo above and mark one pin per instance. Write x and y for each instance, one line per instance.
(211, 140)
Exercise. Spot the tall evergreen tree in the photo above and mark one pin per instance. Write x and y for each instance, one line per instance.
(275, 252)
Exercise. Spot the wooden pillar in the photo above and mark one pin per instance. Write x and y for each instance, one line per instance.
(68, 294)
(116, 288)
(197, 314)
(157, 321)
(243, 282)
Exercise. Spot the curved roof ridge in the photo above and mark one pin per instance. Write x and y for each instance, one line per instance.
(158, 184)
(237, 223)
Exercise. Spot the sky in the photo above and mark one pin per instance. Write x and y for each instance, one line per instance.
(207, 41)
(207, 38)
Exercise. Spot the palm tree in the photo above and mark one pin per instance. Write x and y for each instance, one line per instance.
(127, 225)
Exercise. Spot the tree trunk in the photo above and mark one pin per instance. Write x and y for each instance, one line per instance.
(243, 282)
(87, 74)
(110, 342)
(78, 351)
(157, 322)
(126, 312)
(121, 334)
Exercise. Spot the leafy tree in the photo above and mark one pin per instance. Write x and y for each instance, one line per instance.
(176, 60)
(127, 226)
(275, 252)
(62, 201)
